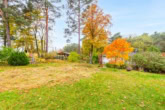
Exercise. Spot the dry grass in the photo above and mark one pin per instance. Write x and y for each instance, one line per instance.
(34, 76)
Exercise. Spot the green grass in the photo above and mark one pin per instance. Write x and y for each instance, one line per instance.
(109, 89)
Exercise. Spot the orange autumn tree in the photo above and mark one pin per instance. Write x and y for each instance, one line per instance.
(118, 51)
(95, 29)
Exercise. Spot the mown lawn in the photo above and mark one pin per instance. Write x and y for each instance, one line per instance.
(107, 89)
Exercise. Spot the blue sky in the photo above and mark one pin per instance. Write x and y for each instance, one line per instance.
(130, 17)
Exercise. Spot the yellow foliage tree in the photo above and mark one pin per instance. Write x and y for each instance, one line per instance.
(118, 51)
(95, 29)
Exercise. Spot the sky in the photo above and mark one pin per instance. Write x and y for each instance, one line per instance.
(129, 17)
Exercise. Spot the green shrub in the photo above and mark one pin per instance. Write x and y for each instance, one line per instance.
(5, 53)
(74, 57)
(123, 66)
(18, 59)
(108, 65)
(95, 58)
(138, 61)
(153, 49)
(149, 61)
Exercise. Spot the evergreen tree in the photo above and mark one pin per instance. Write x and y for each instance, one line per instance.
(75, 8)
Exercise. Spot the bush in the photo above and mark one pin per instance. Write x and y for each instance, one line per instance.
(149, 61)
(18, 59)
(138, 61)
(95, 58)
(5, 53)
(74, 57)
(108, 65)
(153, 49)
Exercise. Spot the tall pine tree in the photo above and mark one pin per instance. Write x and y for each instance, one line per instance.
(75, 8)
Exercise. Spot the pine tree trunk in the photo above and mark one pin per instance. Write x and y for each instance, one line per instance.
(8, 34)
(5, 3)
(42, 47)
(47, 17)
(79, 29)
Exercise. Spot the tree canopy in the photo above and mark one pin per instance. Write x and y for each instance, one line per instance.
(95, 29)
(118, 51)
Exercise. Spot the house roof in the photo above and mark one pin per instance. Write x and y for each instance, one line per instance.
(63, 53)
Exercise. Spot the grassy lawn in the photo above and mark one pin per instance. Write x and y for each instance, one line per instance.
(73, 86)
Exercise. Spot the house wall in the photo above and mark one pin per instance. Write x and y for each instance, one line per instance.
(105, 60)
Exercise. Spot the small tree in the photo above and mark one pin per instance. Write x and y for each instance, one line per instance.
(74, 57)
(118, 51)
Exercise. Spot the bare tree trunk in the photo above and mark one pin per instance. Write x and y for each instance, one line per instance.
(42, 46)
(8, 34)
(47, 40)
(79, 29)
(36, 41)
(4, 39)
(100, 60)
(5, 3)
(91, 55)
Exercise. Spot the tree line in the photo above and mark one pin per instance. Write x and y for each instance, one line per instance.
(26, 23)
